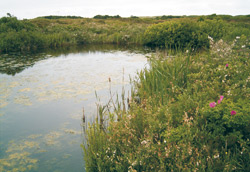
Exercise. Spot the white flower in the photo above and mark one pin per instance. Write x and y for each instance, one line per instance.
(216, 156)
(237, 37)
(209, 37)
(134, 163)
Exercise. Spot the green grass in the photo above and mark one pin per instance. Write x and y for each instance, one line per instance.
(173, 127)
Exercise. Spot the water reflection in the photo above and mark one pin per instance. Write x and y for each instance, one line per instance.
(14, 63)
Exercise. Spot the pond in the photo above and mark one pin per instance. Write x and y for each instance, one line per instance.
(42, 97)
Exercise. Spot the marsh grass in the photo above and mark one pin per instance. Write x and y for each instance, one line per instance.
(41, 33)
(55, 31)
(173, 128)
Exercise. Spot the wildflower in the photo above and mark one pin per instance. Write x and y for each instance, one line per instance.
(210, 38)
(221, 98)
(226, 65)
(229, 92)
(216, 156)
(134, 163)
(233, 112)
(237, 37)
(212, 105)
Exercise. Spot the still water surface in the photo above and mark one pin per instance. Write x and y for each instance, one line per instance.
(42, 97)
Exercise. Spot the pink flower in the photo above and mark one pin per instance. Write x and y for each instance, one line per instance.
(220, 100)
(212, 105)
(233, 112)
(226, 65)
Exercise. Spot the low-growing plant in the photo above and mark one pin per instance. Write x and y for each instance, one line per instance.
(193, 115)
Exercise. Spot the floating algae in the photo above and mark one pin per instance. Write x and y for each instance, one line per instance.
(18, 158)
(42, 151)
(4, 91)
(24, 90)
(16, 162)
(76, 116)
(23, 100)
(71, 131)
(21, 146)
(65, 156)
(65, 124)
(34, 136)
(51, 138)
(3, 103)
(4, 94)
(14, 84)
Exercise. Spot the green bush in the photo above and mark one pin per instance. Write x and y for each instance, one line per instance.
(176, 34)
(106, 17)
(189, 34)
(216, 29)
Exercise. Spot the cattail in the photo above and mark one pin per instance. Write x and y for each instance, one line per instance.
(128, 102)
(83, 116)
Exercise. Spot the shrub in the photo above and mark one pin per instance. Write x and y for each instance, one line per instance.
(216, 29)
(176, 34)
(106, 17)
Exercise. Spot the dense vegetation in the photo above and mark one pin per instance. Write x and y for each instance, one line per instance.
(177, 34)
(189, 112)
(170, 31)
(61, 17)
(189, 33)
(41, 33)
(168, 17)
(106, 17)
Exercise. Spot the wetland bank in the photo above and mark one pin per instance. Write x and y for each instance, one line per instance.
(172, 127)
